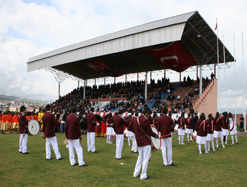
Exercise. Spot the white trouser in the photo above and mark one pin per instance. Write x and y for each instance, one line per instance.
(119, 145)
(236, 138)
(134, 144)
(79, 151)
(23, 143)
(142, 161)
(91, 141)
(166, 145)
(52, 141)
(200, 148)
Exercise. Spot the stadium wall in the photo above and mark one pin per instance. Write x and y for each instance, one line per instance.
(209, 103)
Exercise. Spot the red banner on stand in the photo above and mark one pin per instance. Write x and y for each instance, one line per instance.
(103, 68)
(174, 57)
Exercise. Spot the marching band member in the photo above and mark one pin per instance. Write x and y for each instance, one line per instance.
(49, 123)
(118, 124)
(189, 127)
(141, 128)
(201, 133)
(165, 127)
(233, 128)
(73, 135)
(210, 130)
(181, 128)
(218, 131)
(91, 123)
(134, 143)
(23, 131)
(225, 123)
(109, 131)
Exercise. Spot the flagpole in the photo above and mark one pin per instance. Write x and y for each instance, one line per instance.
(218, 64)
(243, 79)
(224, 71)
(234, 77)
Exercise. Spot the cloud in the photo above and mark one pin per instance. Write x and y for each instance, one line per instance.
(33, 27)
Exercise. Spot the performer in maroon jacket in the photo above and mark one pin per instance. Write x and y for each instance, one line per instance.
(189, 127)
(118, 125)
(201, 133)
(165, 127)
(218, 131)
(210, 130)
(91, 123)
(141, 128)
(225, 127)
(23, 131)
(49, 123)
(73, 134)
(181, 129)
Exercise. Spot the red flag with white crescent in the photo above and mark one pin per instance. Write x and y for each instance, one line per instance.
(174, 57)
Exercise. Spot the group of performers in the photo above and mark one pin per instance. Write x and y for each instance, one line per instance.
(9, 121)
(138, 130)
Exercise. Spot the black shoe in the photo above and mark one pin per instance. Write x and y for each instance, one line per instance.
(135, 152)
(26, 153)
(172, 164)
(60, 158)
(74, 164)
(137, 176)
(146, 178)
(48, 158)
(84, 165)
(20, 152)
(95, 152)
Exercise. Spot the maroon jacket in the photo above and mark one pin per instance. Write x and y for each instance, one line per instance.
(225, 123)
(181, 123)
(23, 123)
(165, 126)
(210, 126)
(189, 123)
(218, 123)
(118, 124)
(72, 128)
(142, 131)
(91, 122)
(201, 127)
(49, 123)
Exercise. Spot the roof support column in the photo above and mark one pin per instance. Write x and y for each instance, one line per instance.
(58, 90)
(84, 89)
(180, 77)
(150, 77)
(137, 76)
(126, 78)
(95, 82)
(215, 70)
(200, 86)
(114, 80)
(78, 85)
(146, 87)
(104, 80)
(164, 73)
(196, 72)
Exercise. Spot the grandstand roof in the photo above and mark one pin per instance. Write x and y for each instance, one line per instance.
(138, 49)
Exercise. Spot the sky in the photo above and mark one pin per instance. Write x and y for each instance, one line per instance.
(32, 27)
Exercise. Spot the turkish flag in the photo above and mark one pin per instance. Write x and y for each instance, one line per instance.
(103, 68)
(174, 57)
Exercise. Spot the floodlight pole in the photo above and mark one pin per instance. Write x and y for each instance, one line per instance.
(146, 91)
(84, 90)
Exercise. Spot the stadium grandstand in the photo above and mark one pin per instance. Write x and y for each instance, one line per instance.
(176, 43)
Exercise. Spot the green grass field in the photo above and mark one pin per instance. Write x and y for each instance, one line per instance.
(225, 167)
